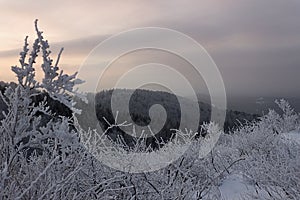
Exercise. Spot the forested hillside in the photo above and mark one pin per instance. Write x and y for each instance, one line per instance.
(140, 104)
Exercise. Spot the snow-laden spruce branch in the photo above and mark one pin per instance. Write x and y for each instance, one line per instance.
(59, 85)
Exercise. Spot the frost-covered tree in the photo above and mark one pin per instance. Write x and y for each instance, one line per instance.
(30, 151)
(42, 160)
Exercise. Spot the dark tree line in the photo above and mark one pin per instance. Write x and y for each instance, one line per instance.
(139, 105)
(56, 108)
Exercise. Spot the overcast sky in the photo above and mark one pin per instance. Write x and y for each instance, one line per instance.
(255, 43)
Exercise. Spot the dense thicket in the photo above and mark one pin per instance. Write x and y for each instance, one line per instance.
(265, 152)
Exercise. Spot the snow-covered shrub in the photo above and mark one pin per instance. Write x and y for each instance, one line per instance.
(271, 161)
(30, 151)
(190, 177)
(44, 160)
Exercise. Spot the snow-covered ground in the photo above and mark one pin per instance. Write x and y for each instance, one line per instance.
(236, 187)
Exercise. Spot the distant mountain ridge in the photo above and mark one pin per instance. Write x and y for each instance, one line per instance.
(139, 105)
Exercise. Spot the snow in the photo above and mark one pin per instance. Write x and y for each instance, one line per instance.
(293, 136)
(234, 187)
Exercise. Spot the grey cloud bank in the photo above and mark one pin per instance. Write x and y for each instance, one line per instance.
(255, 44)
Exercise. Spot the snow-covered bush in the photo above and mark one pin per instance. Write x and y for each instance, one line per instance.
(37, 160)
(29, 151)
(42, 158)
(46, 161)
(271, 161)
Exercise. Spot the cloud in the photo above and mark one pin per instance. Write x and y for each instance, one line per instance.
(255, 43)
